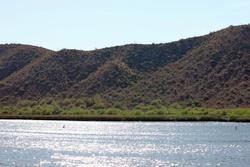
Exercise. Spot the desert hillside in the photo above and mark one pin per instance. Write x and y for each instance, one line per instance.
(211, 70)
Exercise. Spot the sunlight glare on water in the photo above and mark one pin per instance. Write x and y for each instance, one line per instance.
(65, 143)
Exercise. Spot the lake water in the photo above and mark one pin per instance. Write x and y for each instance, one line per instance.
(66, 143)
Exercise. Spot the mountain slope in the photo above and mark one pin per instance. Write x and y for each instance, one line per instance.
(216, 73)
(211, 70)
(15, 57)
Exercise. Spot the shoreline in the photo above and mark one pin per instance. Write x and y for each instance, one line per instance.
(123, 118)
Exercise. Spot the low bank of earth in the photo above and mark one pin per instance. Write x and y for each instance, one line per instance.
(124, 118)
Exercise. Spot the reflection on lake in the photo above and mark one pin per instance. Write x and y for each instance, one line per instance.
(65, 143)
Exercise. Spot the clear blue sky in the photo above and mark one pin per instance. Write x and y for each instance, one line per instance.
(90, 24)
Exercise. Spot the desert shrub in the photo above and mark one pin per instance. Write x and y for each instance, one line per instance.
(47, 109)
(157, 103)
(48, 101)
(65, 103)
(36, 110)
(112, 111)
(151, 112)
(56, 110)
(176, 106)
(194, 103)
(76, 110)
(25, 111)
(98, 106)
(89, 102)
(137, 112)
(159, 112)
(140, 106)
(205, 113)
(80, 103)
(143, 107)
(101, 112)
(185, 112)
(118, 105)
(26, 103)
(9, 110)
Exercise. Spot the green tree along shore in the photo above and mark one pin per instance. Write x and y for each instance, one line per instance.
(95, 109)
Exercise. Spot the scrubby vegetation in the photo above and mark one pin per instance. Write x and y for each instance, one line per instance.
(94, 109)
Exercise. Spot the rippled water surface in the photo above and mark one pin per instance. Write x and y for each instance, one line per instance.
(65, 143)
